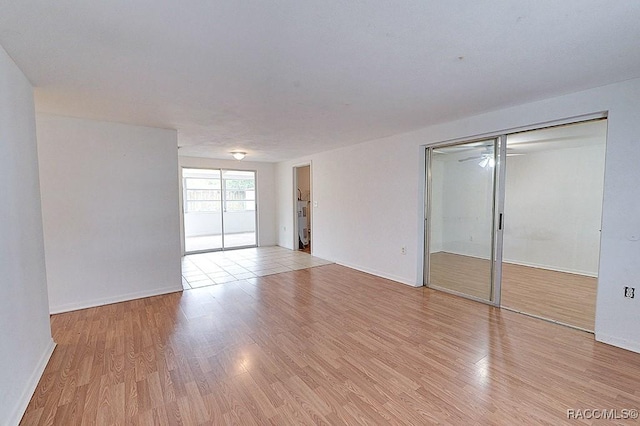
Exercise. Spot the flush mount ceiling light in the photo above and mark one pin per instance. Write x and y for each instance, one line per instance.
(238, 155)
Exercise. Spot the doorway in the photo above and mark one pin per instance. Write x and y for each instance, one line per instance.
(302, 203)
(514, 221)
(219, 208)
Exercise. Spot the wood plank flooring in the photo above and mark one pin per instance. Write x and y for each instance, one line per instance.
(559, 296)
(464, 274)
(326, 345)
(563, 297)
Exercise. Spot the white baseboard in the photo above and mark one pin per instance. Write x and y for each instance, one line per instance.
(31, 386)
(552, 268)
(377, 273)
(109, 300)
(620, 343)
(530, 264)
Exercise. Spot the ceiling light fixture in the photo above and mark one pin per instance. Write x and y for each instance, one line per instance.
(238, 155)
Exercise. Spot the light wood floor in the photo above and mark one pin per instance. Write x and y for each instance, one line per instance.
(464, 274)
(327, 345)
(563, 297)
(559, 296)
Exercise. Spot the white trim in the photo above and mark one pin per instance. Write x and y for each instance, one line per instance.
(377, 273)
(620, 343)
(296, 244)
(32, 384)
(424, 220)
(109, 300)
(294, 169)
(183, 243)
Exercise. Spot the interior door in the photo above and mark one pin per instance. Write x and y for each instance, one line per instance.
(461, 201)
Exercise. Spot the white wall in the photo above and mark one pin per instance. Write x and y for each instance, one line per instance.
(370, 198)
(463, 197)
(364, 212)
(110, 211)
(25, 333)
(265, 189)
(209, 223)
(553, 209)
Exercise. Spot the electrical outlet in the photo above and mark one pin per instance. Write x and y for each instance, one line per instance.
(403, 250)
(629, 292)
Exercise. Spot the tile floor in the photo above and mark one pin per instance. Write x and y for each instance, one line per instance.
(204, 269)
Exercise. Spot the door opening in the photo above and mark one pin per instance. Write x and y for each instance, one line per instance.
(219, 208)
(302, 203)
(515, 221)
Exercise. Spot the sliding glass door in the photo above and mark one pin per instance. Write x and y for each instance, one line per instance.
(461, 188)
(239, 208)
(553, 208)
(202, 197)
(219, 209)
(515, 220)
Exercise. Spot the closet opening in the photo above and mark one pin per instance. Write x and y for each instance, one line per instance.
(514, 220)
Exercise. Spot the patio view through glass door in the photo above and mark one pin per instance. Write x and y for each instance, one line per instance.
(219, 209)
(239, 208)
(460, 224)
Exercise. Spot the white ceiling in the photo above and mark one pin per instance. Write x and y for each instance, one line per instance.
(287, 78)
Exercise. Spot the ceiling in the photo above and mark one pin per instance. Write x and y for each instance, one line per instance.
(288, 78)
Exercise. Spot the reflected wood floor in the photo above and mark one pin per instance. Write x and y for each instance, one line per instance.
(559, 296)
(464, 274)
(327, 345)
(568, 298)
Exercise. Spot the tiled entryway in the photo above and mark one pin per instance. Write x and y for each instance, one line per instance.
(203, 269)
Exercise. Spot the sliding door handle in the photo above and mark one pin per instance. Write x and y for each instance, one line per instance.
(500, 222)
